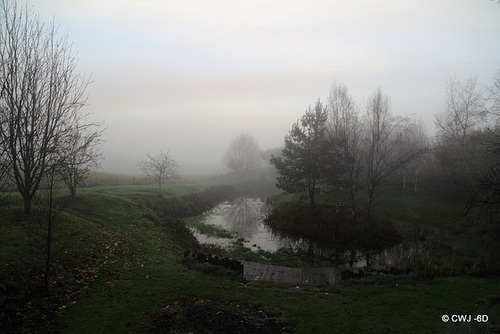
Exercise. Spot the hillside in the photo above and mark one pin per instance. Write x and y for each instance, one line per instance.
(121, 270)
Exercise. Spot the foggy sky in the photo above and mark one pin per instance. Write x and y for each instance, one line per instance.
(190, 75)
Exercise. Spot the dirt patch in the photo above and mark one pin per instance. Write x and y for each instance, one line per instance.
(205, 316)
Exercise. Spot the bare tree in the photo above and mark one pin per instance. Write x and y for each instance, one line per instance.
(345, 131)
(465, 110)
(493, 100)
(4, 165)
(160, 168)
(385, 148)
(485, 192)
(465, 113)
(414, 143)
(243, 154)
(80, 154)
(41, 96)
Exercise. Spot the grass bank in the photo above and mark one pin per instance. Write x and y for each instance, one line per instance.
(139, 284)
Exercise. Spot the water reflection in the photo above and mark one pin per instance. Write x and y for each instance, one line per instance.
(394, 256)
(244, 217)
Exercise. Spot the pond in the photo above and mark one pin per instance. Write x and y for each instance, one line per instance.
(244, 217)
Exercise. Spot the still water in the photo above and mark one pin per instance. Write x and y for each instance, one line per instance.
(244, 217)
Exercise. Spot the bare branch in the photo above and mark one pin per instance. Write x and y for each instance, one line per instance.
(243, 154)
(41, 97)
(159, 168)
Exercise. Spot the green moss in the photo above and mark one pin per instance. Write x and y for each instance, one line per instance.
(207, 229)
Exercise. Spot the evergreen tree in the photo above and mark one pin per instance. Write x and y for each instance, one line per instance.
(304, 154)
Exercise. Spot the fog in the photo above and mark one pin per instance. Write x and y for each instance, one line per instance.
(189, 76)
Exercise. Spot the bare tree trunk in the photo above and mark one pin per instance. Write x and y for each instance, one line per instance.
(388, 149)
(415, 182)
(46, 213)
(369, 205)
(27, 203)
(48, 243)
(353, 206)
(311, 196)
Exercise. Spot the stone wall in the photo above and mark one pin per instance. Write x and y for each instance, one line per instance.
(311, 276)
(257, 271)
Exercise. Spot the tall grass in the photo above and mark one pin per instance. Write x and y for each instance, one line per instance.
(187, 205)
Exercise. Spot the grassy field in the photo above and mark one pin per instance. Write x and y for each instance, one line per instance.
(121, 269)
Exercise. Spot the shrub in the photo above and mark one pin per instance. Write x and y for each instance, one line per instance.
(187, 205)
(326, 227)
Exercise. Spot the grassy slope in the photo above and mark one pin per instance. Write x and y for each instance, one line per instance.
(152, 279)
(145, 277)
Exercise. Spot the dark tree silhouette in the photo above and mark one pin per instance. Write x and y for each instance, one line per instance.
(300, 167)
(41, 97)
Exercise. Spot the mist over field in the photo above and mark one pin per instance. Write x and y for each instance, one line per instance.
(190, 76)
(249, 166)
